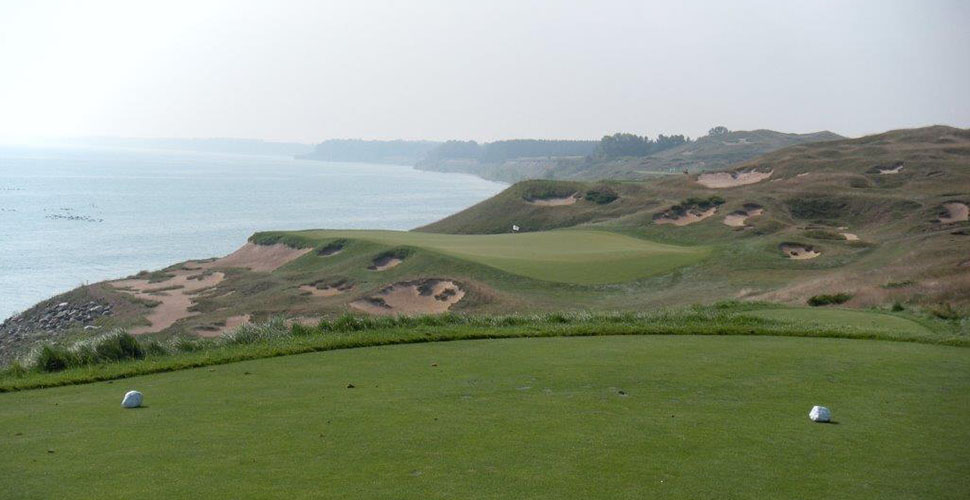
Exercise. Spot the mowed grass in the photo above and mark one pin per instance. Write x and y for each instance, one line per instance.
(603, 417)
(569, 256)
(829, 317)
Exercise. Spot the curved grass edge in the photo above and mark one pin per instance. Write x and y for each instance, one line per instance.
(302, 340)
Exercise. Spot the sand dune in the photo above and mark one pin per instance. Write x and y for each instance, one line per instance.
(259, 257)
(175, 296)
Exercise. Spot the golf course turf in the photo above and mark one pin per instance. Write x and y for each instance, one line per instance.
(567, 256)
(622, 416)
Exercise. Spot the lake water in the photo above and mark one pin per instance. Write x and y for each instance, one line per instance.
(70, 216)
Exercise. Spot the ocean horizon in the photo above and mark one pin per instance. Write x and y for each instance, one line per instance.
(76, 215)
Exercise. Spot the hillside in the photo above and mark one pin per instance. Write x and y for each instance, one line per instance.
(711, 152)
(879, 221)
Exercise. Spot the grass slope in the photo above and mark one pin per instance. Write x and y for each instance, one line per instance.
(608, 417)
(583, 257)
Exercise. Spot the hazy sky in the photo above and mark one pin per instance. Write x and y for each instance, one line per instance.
(485, 70)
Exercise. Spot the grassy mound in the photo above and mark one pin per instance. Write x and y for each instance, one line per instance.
(564, 418)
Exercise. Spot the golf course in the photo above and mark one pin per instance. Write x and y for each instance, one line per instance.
(562, 339)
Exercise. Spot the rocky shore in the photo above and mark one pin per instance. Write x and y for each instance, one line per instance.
(47, 323)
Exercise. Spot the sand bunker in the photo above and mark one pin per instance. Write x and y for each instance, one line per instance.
(174, 296)
(259, 257)
(739, 217)
(231, 323)
(327, 290)
(554, 202)
(850, 236)
(719, 180)
(799, 252)
(427, 296)
(955, 212)
(384, 263)
(691, 216)
(330, 250)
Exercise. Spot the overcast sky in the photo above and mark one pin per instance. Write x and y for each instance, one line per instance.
(485, 70)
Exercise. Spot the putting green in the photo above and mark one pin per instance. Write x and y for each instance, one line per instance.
(593, 417)
(572, 256)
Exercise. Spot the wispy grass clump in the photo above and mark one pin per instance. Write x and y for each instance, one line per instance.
(828, 299)
(116, 345)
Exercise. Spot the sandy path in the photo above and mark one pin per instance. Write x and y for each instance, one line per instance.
(416, 297)
(720, 180)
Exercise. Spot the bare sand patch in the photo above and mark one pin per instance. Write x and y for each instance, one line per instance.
(850, 236)
(739, 218)
(174, 296)
(427, 296)
(384, 263)
(259, 257)
(798, 252)
(735, 219)
(554, 202)
(803, 174)
(691, 216)
(955, 212)
(720, 180)
(890, 171)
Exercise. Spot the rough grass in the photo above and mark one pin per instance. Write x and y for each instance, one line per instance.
(277, 338)
(829, 299)
(608, 417)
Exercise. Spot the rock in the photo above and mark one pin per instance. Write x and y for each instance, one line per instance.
(132, 399)
(820, 414)
(62, 305)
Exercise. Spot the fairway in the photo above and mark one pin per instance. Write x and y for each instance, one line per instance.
(584, 257)
(606, 417)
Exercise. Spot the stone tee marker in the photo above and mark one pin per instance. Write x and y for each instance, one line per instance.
(132, 399)
(820, 414)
